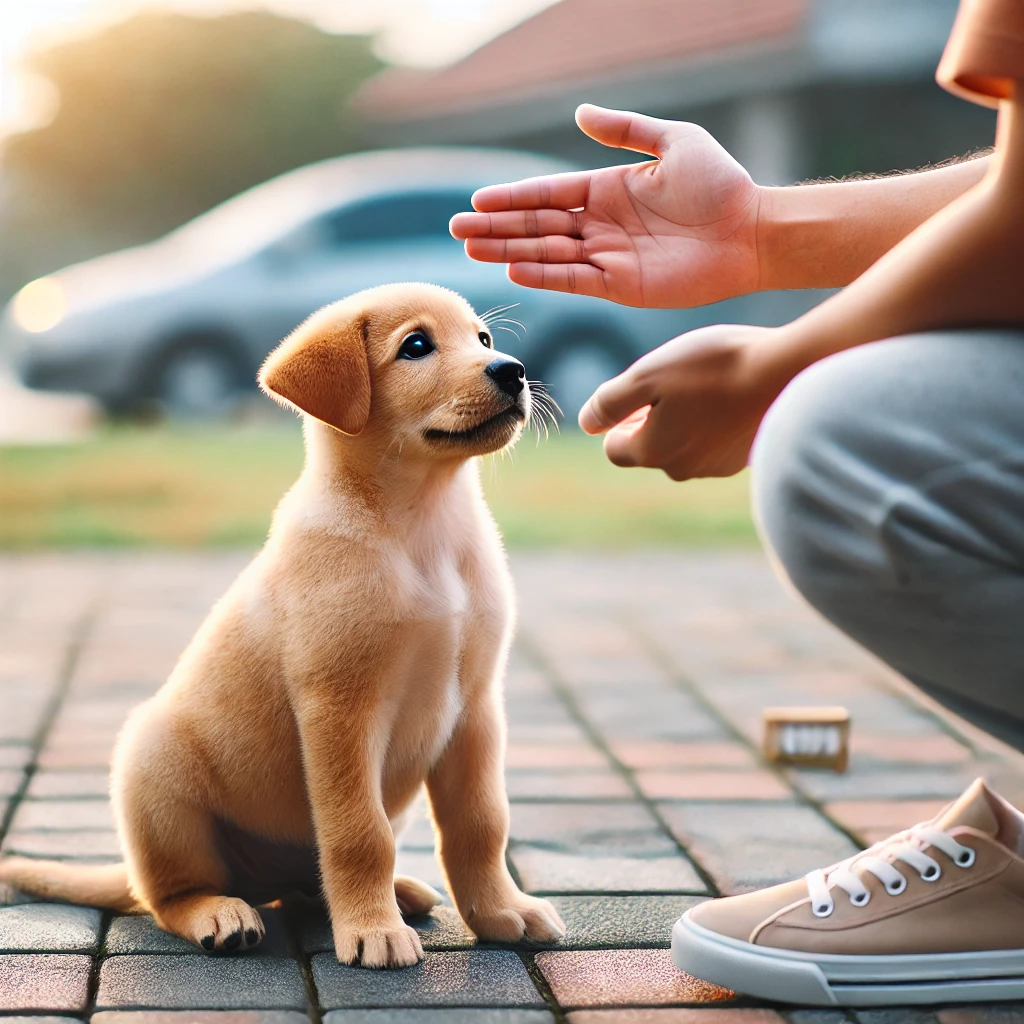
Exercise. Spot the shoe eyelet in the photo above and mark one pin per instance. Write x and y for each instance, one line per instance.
(861, 899)
(896, 888)
(822, 909)
(931, 874)
(965, 858)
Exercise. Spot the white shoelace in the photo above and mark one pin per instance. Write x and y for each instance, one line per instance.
(905, 846)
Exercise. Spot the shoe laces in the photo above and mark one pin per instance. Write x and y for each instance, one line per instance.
(907, 847)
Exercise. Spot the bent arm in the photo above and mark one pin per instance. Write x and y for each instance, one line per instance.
(826, 235)
(960, 268)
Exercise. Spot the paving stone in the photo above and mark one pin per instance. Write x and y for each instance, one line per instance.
(86, 845)
(872, 820)
(44, 982)
(550, 755)
(747, 846)
(556, 784)
(199, 1017)
(612, 829)
(938, 749)
(63, 816)
(199, 982)
(475, 977)
(712, 785)
(139, 933)
(441, 929)
(11, 780)
(678, 1015)
(547, 871)
(693, 754)
(908, 783)
(817, 1017)
(61, 785)
(903, 1015)
(616, 922)
(623, 977)
(433, 1016)
(39, 1020)
(14, 755)
(1003, 1013)
(49, 928)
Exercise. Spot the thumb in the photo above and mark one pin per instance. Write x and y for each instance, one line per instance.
(623, 129)
(613, 402)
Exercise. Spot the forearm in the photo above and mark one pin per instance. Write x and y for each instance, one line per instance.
(960, 268)
(827, 235)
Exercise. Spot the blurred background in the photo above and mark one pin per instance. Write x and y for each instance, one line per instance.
(181, 183)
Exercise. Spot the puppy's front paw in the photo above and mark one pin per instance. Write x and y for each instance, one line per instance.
(521, 916)
(397, 946)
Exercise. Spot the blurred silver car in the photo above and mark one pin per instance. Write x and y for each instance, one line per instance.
(184, 322)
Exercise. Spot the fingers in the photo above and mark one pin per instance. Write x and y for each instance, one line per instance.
(515, 224)
(615, 401)
(554, 249)
(626, 130)
(552, 191)
(577, 278)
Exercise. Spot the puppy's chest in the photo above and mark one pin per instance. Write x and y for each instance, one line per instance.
(443, 629)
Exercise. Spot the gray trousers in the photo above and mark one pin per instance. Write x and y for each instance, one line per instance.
(889, 485)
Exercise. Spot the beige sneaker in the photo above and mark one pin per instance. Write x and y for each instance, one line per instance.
(933, 914)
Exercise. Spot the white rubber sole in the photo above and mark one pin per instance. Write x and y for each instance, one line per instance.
(832, 980)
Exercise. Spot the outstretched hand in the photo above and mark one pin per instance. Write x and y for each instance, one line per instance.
(692, 407)
(677, 231)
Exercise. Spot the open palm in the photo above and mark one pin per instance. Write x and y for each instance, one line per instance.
(676, 231)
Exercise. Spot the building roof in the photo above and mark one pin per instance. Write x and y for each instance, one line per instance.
(581, 40)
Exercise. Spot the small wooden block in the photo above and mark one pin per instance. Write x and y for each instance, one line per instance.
(808, 737)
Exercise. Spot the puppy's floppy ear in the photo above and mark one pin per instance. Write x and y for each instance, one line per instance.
(322, 369)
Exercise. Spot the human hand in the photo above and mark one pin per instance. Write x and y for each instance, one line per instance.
(692, 406)
(677, 231)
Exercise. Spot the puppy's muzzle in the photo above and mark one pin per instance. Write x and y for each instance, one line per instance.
(509, 375)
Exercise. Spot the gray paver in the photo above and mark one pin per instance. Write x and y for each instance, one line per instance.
(199, 1017)
(441, 929)
(746, 846)
(475, 977)
(43, 982)
(565, 784)
(62, 785)
(615, 922)
(49, 928)
(133, 933)
(85, 845)
(550, 871)
(172, 982)
(63, 816)
(624, 829)
(39, 1020)
(434, 1016)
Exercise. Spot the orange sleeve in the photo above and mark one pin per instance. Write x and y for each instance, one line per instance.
(985, 53)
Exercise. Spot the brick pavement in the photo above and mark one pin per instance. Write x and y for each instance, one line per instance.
(637, 790)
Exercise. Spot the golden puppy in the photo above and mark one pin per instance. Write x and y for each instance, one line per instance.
(357, 657)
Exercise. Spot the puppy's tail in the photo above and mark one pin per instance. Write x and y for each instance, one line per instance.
(94, 885)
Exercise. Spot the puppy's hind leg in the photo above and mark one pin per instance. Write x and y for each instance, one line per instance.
(177, 872)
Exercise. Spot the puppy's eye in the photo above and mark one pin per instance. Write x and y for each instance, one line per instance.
(485, 339)
(415, 346)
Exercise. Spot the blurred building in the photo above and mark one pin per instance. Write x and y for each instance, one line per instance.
(793, 88)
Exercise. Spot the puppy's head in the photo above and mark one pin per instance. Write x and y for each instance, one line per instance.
(408, 364)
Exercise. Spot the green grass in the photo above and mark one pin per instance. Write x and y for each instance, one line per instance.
(216, 486)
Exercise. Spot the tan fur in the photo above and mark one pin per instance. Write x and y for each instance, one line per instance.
(359, 656)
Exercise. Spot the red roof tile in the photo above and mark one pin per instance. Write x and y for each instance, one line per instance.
(579, 39)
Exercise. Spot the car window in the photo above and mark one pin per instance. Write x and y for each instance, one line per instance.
(409, 215)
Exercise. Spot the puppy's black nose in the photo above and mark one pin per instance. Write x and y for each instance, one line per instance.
(508, 374)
